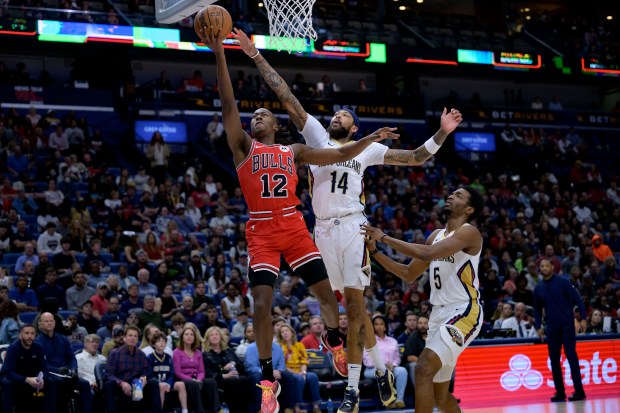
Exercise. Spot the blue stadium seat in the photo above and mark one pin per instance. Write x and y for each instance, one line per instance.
(80, 257)
(30, 219)
(113, 170)
(107, 256)
(27, 317)
(11, 257)
(66, 313)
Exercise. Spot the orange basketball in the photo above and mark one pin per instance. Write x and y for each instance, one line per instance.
(214, 20)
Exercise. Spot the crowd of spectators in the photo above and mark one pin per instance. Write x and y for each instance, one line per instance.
(125, 249)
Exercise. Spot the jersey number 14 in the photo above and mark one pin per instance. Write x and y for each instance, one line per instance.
(342, 183)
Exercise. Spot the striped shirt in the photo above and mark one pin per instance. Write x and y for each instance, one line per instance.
(125, 364)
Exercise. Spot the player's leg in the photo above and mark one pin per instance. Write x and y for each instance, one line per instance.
(569, 342)
(262, 282)
(427, 367)
(554, 344)
(444, 400)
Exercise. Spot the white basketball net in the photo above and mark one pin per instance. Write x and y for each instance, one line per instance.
(290, 23)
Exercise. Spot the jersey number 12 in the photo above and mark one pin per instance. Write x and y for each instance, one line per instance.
(343, 183)
(279, 190)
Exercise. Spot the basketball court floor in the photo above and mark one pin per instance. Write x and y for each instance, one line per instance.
(606, 405)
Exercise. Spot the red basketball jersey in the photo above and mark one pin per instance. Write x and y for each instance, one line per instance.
(268, 178)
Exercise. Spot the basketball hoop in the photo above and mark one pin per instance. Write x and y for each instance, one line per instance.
(290, 23)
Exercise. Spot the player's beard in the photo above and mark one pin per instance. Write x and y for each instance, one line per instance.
(338, 133)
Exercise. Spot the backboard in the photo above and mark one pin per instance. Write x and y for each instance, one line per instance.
(172, 11)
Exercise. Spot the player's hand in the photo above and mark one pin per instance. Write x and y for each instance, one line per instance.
(244, 41)
(584, 326)
(212, 42)
(541, 334)
(371, 232)
(277, 374)
(450, 120)
(371, 243)
(383, 133)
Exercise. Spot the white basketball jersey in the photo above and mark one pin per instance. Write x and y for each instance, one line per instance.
(338, 190)
(454, 278)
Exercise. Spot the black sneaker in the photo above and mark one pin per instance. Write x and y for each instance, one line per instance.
(578, 395)
(387, 391)
(351, 401)
(558, 397)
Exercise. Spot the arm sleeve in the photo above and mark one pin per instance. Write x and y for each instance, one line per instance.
(537, 311)
(176, 363)
(576, 299)
(10, 363)
(314, 133)
(112, 367)
(303, 354)
(252, 364)
(395, 354)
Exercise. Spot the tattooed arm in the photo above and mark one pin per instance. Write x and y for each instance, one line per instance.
(449, 122)
(274, 80)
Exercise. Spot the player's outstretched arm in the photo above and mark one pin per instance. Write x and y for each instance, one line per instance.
(307, 155)
(449, 122)
(240, 143)
(274, 80)
(466, 237)
(408, 272)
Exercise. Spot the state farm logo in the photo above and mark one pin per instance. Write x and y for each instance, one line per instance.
(521, 374)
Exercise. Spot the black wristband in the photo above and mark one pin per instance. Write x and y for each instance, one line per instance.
(383, 236)
(373, 252)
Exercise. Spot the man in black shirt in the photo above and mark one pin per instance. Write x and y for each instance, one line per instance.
(23, 362)
(414, 346)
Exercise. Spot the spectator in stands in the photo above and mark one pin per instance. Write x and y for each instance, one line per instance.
(414, 345)
(570, 260)
(550, 255)
(158, 154)
(600, 250)
(246, 341)
(125, 365)
(390, 353)
(518, 323)
(232, 303)
(63, 260)
(313, 339)
(23, 362)
(58, 140)
(212, 320)
(118, 339)
(76, 332)
(522, 294)
(51, 289)
(20, 237)
(23, 203)
(238, 330)
(161, 368)
(555, 104)
(148, 315)
(18, 163)
(9, 322)
(411, 323)
(195, 269)
(133, 300)
(88, 358)
(144, 286)
(61, 360)
(595, 322)
(86, 319)
(100, 300)
(28, 255)
(223, 365)
(215, 130)
(537, 104)
(79, 293)
(189, 367)
(191, 315)
(24, 297)
(284, 296)
(49, 241)
(503, 312)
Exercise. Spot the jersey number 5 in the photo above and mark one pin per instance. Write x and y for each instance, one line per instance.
(437, 278)
(343, 183)
(279, 190)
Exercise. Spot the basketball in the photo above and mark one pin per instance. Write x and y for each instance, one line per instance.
(213, 20)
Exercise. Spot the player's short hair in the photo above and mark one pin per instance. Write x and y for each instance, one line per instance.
(476, 201)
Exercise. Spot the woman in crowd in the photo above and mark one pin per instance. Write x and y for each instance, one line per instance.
(223, 365)
(248, 338)
(390, 353)
(202, 392)
(595, 322)
(9, 325)
(158, 154)
(296, 359)
(154, 250)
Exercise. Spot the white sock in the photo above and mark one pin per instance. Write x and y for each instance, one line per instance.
(354, 375)
(377, 360)
(184, 411)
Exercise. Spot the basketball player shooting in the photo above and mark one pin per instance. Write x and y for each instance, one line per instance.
(336, 193)
(452, 255)
(268, 177)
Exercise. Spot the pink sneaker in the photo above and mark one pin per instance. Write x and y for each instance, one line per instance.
(339, 355)
(271, 390)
